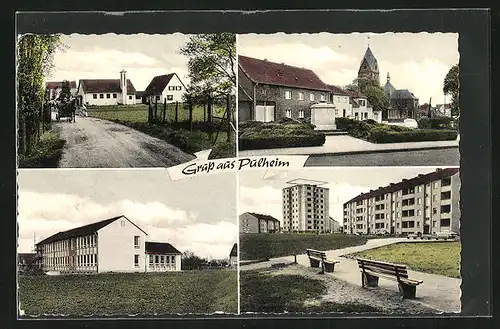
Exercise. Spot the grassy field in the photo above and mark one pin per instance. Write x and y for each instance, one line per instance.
(139, 113)
(265, 246)
(46, 154)
(264, 292)
(131, 293)
(433, 257)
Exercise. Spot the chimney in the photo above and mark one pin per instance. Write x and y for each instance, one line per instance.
(123, 85)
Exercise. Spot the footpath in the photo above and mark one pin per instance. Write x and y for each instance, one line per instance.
(344, 144)
(438, 292)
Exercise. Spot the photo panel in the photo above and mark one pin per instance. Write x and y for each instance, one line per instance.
(343, 241)
(358, 99)
(118, 243)
(124, 101)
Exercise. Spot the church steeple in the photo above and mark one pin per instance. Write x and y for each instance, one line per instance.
(369, 67)
(388, 77)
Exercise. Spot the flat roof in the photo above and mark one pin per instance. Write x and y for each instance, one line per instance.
(304, 181)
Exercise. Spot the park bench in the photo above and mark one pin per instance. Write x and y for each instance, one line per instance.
(317, 258)
(372, 270)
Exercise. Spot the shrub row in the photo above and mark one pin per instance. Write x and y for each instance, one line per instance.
(421, 135)
(436, 123)
(280, 142)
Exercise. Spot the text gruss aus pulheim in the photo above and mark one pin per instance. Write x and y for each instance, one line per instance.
(234, 164)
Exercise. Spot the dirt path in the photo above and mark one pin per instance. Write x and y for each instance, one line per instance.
(97, 143)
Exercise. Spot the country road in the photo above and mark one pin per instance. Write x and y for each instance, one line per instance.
(97, 143)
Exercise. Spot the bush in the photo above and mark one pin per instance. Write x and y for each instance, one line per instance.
(435, 123)
(46, 154)
(223, 150)
(288, 133)
(387, 136)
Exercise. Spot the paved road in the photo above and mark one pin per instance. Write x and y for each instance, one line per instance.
(438, 157)
(97, 143)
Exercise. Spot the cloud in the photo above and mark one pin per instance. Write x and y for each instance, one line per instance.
(265, 200)
(45, 214)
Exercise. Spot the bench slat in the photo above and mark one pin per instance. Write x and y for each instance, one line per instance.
(379, 262)
(393, 272)
(383, 265)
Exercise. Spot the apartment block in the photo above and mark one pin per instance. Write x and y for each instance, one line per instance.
(305, 206)
(251, 222)
(425, 204)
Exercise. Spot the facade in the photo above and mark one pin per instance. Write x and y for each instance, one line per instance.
(305, 207)
(111, 245)
(333, 226)
(162, 257)
(341, 100)
(368, 68)
(269, 91)
(425, 204)
(233, 256)
(54, 88)
(403, 103)
(361, 108)
(165, 88)
(107, 91)
(258, 223)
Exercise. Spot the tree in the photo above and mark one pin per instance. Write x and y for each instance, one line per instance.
(35, 61)
(190, 261)
(451, 85)
(211, 63)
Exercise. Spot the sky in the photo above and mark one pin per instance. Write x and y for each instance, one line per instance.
(143, 56)
(416, 61)
(192, 214)
(262, 193)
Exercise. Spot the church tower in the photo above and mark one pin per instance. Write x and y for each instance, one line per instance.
(368, 69)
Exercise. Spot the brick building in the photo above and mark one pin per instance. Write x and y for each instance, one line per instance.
(269, 91)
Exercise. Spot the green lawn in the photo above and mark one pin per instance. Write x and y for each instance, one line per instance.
(265, 292)
(431, 257)
(46, 154)
(139, 113)
(130, 293)
(265, 246)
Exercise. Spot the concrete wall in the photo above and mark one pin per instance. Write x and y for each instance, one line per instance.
(248, 223)
(116, 248)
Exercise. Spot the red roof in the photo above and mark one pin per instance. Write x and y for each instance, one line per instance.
(266, 72)
(158, 84)
(355, 94)
(58, 84)
(337, 90)
(407, 183)
(105, 86)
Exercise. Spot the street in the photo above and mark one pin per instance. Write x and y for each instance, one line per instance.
(96, 143)
(436, 157)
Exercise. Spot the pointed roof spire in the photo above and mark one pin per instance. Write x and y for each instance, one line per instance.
(388, 77)
(370, 60)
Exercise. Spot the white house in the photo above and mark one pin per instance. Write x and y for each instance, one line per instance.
(107, 91)
(340, 99)
(112, 245)
(54, 88)
(168, 87)
(361, 108)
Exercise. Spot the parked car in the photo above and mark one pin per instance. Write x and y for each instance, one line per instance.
(413, 236)
(444, 235)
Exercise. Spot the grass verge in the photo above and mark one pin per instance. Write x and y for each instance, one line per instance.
(269, 245)
(46, 154)
(264, 292)
(188, 141)
(429, 257)
(130, 293)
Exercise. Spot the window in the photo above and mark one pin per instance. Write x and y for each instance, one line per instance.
(301, 96)
(336, 112)
(157, 97)
(445, 222)
(445, 209)
(101, 95)
(108, 95)
(446, 181)
(129, 96)
(94, 96)
(356, 115)
(366, 115)
(435, 184)
(419, 201)
(311, 97)
(419, 212)
(136, 242)
(157, 259)
(288, 113)
(136, 260)
(114, 95)
(178, 88)
(162, 259)
(151, 259)
(446, 195)
(322, 97)
(170, 97)
(288, 94)
(301, 113)
(171, 88)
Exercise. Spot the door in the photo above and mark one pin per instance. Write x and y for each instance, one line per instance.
(269, 116)
(426, 229)
(343, 113)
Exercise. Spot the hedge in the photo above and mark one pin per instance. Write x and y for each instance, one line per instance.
(387, 136)
(435, 123)
(280, 142)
